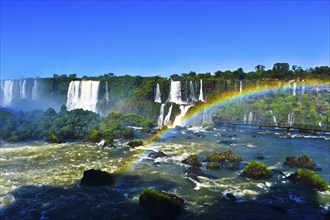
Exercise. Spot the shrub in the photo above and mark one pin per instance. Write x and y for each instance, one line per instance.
(192, 160)
(310, 178)
(223, 157)
(256, 170)
(214, 166)
(301, 162)
(135, 143)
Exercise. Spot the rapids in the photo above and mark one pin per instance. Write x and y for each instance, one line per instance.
(41, 181)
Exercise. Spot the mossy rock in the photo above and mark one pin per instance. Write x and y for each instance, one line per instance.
(160, 205)
(309, 178)
(135, 143)
(226, 156)
(192, 160)
(94, 178)
(300, 162)
(213, 166)
(256, 170)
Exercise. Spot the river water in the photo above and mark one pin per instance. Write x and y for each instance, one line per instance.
(41, 181)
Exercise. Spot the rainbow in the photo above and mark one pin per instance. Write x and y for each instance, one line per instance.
(221, 100)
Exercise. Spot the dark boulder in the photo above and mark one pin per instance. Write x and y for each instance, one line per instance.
(192, 160)
(97, 178)
(155, 155)
(160, 205)
(301, 162)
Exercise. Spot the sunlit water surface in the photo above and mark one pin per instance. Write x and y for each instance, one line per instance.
(41, 181)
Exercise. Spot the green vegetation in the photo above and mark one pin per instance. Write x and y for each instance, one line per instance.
(160, 205)
(69, 126)
(214, 166)
(301, 162)
(192, 160)
(256, 170)
(135, 143)
(226, 156)
(310, 178)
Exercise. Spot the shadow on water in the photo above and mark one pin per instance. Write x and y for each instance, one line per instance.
(285, 201)
(75, 202)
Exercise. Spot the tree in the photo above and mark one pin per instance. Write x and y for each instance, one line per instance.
(260, 67)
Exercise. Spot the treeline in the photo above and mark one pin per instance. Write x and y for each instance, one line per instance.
(67, 126)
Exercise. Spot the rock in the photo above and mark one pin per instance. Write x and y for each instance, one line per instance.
(135, 143)
(155, 155)
(301, 162)
(192, 160)
(230, 197)
(213, 166)
(160, 205)
(223, 156)
(229, 143)
(97, 178)
(256, 170)
(310, 179)
(260, 157)
(194, 172)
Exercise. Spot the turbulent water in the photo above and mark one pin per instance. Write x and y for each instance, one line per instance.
(41, 181)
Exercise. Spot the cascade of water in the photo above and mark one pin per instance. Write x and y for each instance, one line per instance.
(274, 117)
(83, 94)
(168, 116)
(207, 116)
(22, 86)
(201, 96)
(258, 83)
(175, 92)
(303, 88)
(250, 117)
(240, 86)
(245, 118)
(35, 95)
(107, 92)
(178, 119)
(160, 120)
(192, 91)
(320, 124)
(7, 92)
(158, 96)
(294, 90)
(290, 119)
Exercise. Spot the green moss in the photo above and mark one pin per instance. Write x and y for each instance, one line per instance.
(192, 160)
(214, 166)
(224, 156)
(152, 193)
(301, 162)
(135, 143)
(310, 178)
(256, 170)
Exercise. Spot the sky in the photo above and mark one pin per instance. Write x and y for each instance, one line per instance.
(42, 38)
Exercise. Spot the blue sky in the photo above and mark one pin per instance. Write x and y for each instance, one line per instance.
(42, 38)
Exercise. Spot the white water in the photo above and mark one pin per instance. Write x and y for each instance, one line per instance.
(250, 117)
(167, 118)
(175, 95)
(303, 88)
(34, 94)
(83, 94)
(320, 124)
(294, 91)
(201, 96)
(290, 119)
(158, 96)
(107, 92)
(160, 120)
(178, 119)
(23, 89)
(245, 118)
(274, 117)
(192, 92)
(240, 86)
(7, 92)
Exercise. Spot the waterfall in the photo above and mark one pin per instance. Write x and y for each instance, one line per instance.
(258, 83)
(207, 116)
(34, 94)
(294, 88)
(178, 119)
(201, 96)
(168, 116)
(250, 117)
(107, 92)
(274, 117)
(290, 119)
(240, 86)
(245, 118)
(320, 124)
(23, 89)
(192, 91)
(161, 116)
(175, 92)
(7, 92)
(158, 96)
(83, 94)
(303, 88)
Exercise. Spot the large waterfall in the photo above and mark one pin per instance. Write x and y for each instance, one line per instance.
(23, 89)
(201, 96)
(178, 119)
(83, 94)
(240, 86)
(7, 92)
(175, 95)
(35, 95)
(158, 96)
(192, 91)
(290, 119)
(107, 92)
(167, 119)
(160, 120)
